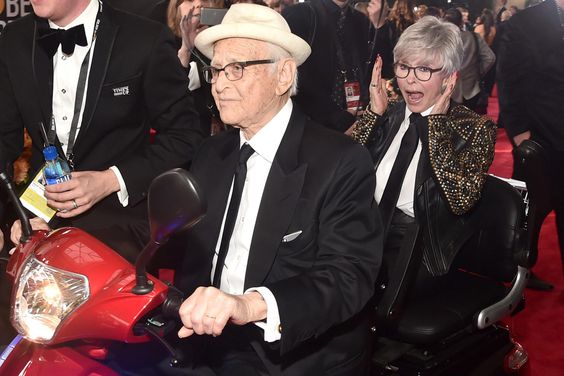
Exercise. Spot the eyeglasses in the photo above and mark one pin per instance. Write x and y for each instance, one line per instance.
(233, 71)
(422, 73)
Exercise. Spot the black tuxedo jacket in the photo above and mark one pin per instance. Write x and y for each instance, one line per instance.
(320, 183)
(315, 22)
(129, 52)
(530, 75)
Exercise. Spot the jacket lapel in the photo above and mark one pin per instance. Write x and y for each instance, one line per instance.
(100, 56)
(395, 118)
(43, 72)
(281, 193)
(219, 170)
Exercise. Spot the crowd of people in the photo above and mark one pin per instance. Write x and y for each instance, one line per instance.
(321, 132)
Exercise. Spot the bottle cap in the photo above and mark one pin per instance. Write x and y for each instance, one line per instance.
(50, 153)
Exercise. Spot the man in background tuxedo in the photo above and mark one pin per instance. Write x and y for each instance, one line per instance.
(501, 7)
(531, 89)
(339, 37)
(97, 88)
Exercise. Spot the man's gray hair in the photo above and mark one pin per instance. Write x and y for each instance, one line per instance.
(278, 53)
(434, 40)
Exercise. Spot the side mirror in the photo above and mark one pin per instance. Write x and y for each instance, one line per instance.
(175, 203)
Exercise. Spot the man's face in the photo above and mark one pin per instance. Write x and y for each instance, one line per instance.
(61, 12)
(248, 103)
(421, 95)
(465, 17)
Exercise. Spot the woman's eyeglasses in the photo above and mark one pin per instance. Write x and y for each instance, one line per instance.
(422, 73)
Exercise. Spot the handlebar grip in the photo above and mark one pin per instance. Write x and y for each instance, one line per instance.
(172, 304)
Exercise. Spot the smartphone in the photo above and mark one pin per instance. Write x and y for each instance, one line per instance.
(211, 16)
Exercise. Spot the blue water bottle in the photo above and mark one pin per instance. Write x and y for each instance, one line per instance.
(56, 169)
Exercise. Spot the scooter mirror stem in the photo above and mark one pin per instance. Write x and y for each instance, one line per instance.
(24, 219)
(142, 284)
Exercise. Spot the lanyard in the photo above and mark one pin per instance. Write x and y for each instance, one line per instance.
(341, 39)
(79, 99)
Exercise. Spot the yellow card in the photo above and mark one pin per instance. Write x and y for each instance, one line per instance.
(33, 198)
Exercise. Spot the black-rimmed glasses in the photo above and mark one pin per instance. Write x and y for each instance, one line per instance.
(233, 71)
(422, 73)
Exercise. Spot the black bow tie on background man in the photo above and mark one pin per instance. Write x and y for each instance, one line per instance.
(50, 39)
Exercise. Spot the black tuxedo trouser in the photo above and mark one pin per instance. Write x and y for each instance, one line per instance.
(556, 171)
(555, 179)
(227, 355)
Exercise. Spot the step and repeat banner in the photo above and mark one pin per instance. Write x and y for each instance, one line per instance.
(11, 10)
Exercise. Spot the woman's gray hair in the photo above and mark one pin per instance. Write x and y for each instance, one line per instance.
(434, 40)
(278, 53)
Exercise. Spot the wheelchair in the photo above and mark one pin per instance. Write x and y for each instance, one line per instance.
(453, 324)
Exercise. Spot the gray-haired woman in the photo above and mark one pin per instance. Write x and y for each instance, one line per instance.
(431, 156)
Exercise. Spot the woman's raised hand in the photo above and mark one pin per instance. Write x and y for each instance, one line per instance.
(378, 94)
(441, 107)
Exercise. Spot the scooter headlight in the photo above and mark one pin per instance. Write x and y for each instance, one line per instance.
(44, 297)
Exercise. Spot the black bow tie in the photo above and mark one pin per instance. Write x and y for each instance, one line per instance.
(50, 39)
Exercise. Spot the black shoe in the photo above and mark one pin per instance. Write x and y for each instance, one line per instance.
(535, 283)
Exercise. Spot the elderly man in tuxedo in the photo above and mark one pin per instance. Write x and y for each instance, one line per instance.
(97, 79)
(291, 244)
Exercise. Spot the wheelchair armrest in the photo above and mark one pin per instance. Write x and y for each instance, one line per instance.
(504, 307)
(401, 278)
(531, 166)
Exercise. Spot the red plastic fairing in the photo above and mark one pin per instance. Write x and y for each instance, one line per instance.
(36, 360)
(21, 254)
(112, 310)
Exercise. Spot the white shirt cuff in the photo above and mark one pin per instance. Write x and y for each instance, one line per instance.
(193, 77)
(271, 326)
(123, 195)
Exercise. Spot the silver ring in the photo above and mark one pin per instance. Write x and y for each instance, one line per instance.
(74, 204)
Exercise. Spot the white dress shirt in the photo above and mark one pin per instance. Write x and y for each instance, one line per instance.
(265, 144)
(407, 193)
(193, 77)
(66, 70)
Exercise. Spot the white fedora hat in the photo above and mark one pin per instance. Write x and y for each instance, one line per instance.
(254, 22)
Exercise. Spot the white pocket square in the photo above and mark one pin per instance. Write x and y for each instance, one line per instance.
(290, 237)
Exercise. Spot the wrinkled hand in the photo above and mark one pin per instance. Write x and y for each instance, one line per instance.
(79, 194)
(442, 104)
(16, 230)
(378, 94)
(521, 137)
(208, 310)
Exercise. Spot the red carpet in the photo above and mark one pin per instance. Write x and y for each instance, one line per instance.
(539, 327)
